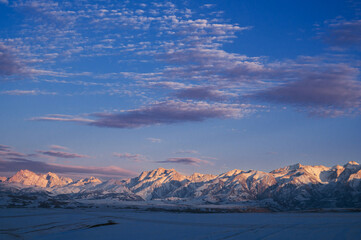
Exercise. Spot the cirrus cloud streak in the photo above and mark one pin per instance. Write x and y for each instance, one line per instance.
(165, 112)
(186, 161)
(61, 154)
(131, 157)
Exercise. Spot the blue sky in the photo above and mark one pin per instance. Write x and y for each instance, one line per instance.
(115, 88)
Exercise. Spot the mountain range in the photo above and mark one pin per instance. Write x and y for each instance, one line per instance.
(295, 187)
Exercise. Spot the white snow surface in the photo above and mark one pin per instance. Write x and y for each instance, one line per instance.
(109, 224)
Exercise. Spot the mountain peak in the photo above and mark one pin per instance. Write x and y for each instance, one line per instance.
(92, 178)
(295, 166)
(232, 172)
(30, 178)
(156, 172)
(51, 175)
(159, 170)
(196, 177)
(25, 172)
(352, 166)
(163, 170)
(351, 163)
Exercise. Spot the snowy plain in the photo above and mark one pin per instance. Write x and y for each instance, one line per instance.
(110, 223)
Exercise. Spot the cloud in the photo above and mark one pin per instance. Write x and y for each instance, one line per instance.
(58, 147)
(169, 112)
(186, 161)
(11, 161)
(204, 93)
(4, 147)
(9, 64)
(129, 156)
(60, 154)
(191, 56)
(343, 34)
(189, 42)
(4, 1)
(168, 84)
(16, 164)
(187, 152)
(165, 112)
(7, 151)
(208, 5)
(62, 118)
(154, 140)
(322, 89)
(26, 92)
(209, 64)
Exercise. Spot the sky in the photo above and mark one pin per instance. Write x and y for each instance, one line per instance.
(114, 88)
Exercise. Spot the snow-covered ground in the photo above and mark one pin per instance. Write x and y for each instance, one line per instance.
(110, 223)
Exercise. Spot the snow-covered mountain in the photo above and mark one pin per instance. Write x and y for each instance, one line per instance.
(29, 178)
(292, 187)
(163, 183)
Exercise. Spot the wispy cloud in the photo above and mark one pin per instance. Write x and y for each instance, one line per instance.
(208, 5)
(204, 93)
(60, 154)
(166, 112)
(187, 152)
(131, 157)
(11, 160)
(16, 164)
(168, 84)
(154, 140)
(58, 147)
(343, 34)
(9, 64)
(62, 118)
(186, 161)
(4, 147)
(192, 63)
(26, 92)
(7, 151)
(322, 89)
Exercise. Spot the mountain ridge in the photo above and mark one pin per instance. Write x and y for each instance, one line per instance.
(295, 186)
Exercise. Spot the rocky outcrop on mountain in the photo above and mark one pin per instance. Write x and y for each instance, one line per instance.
(87, 181)
(78, 186)
(112, 189)
(290, 188)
